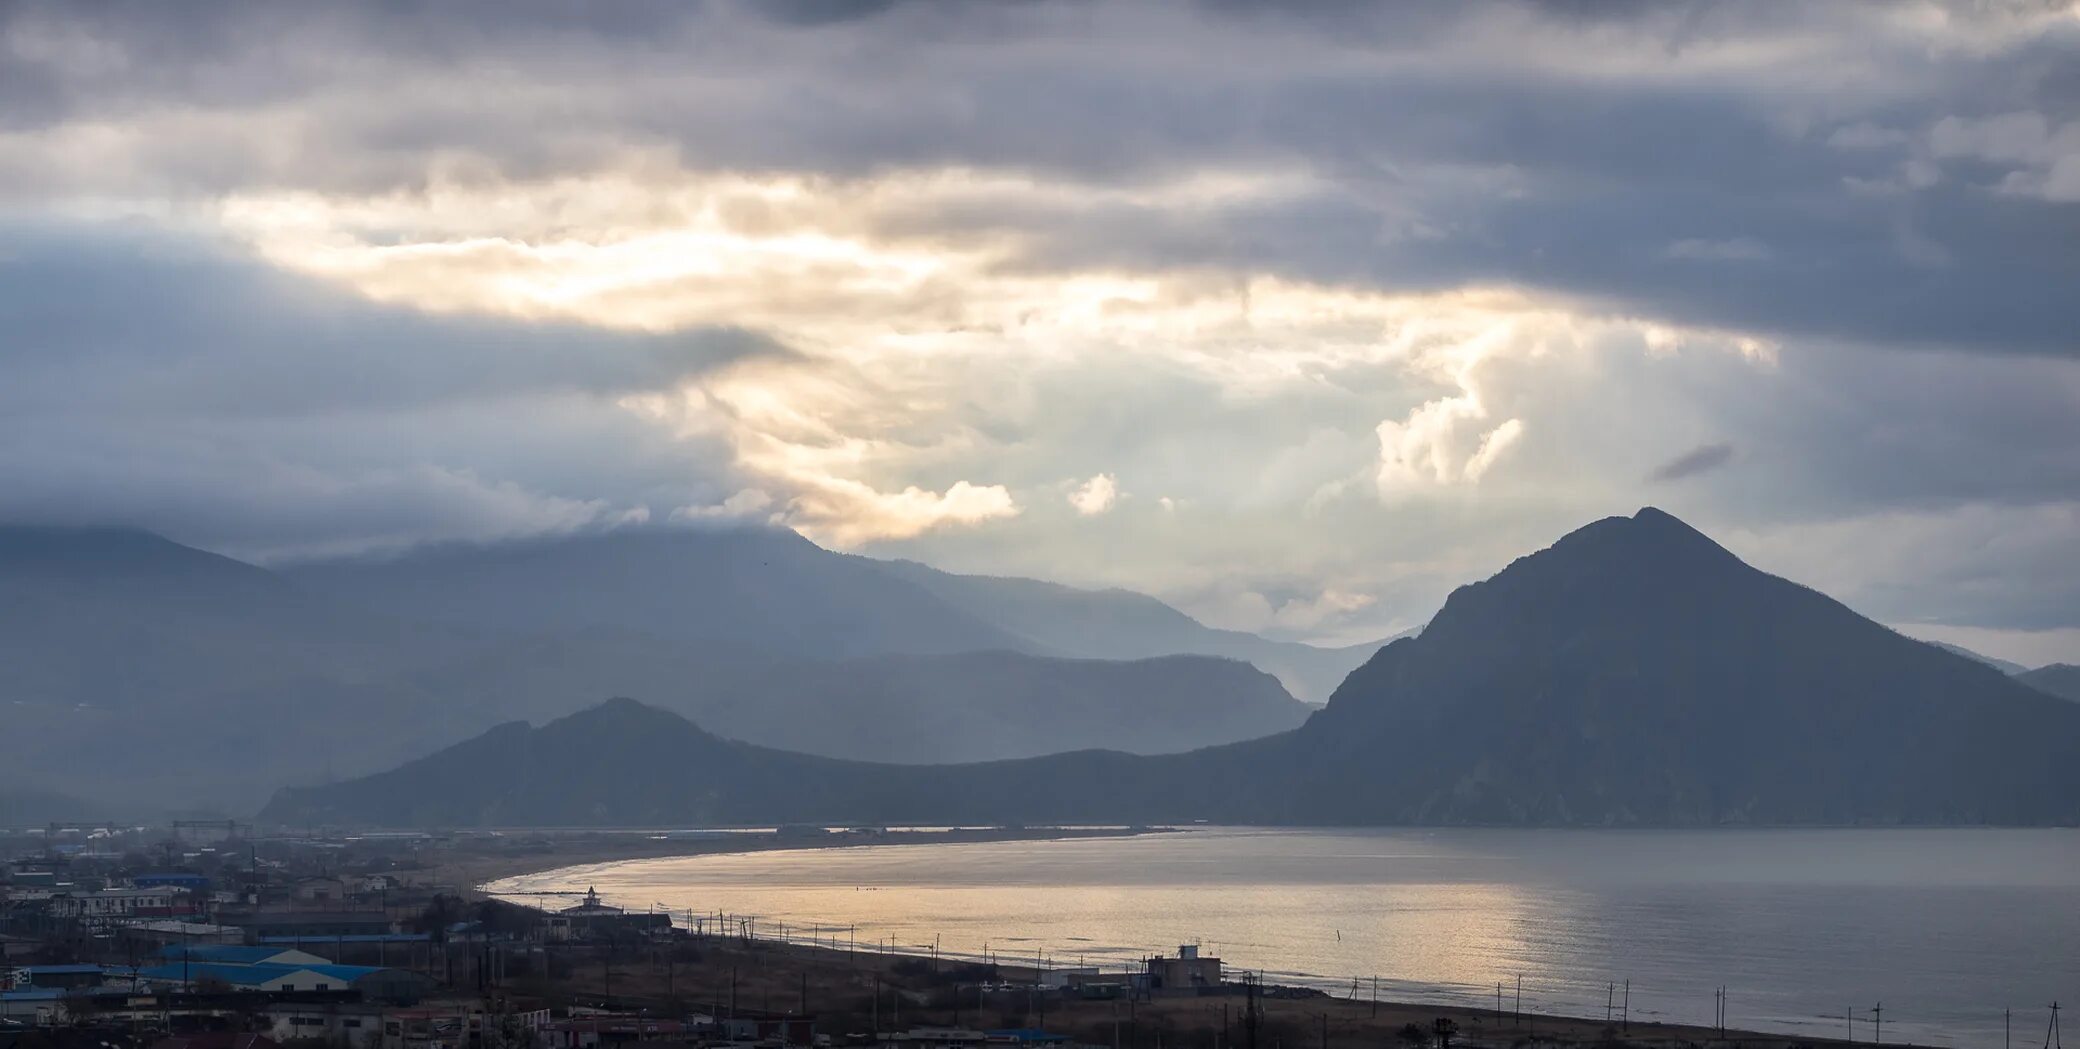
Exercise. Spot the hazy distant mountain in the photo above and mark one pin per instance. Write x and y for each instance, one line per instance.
(134, 669)
(2001, 665)
(1121, 624)
(1633, 673)
(118, 619)
(772, 590)
(193, 678)
(2059, 679)
(21, 807)
(768, 589)
(982, 706)
(971, 706)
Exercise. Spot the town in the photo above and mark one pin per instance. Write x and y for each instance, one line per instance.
(204, 935)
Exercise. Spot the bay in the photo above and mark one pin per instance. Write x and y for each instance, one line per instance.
(1945, 927)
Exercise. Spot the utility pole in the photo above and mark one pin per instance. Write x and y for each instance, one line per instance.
(1878, 1024)
(1625, 1024)
(1250, 1019)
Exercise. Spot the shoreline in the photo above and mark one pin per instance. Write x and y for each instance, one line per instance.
(578, 849)
(549, 851)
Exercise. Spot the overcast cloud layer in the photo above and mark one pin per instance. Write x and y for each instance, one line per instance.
(1295, 315)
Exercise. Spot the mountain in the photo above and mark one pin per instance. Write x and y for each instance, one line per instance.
(2058, 679)
(122, 619)
(2001, 665)
(1637, 672)
(1634, 673)
(768, 589)
(30, 808)
(776, 592)
(182, 673)
(897, 708)
(192, 678)
(617, 762)
(1121, 624)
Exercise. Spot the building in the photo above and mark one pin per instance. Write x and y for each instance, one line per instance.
(770, 1028)
(1188, 973)
(172, 931)
(590, 1031)
(319, 890)
(373, 982)
(1066, 977)
(240, 955)
(347, 1023)
(186, 881)
(54, 977)
(1026, 1036)
(599, 918)
(936, 1038)
(40, 1006)
(121, 903)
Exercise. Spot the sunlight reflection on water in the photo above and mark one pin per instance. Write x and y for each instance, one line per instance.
(1947, 927)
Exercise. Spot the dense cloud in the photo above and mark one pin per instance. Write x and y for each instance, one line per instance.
(1298, 313)
(162, 382)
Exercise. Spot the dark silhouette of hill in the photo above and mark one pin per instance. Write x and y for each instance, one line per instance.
(1637, 672)
(2058, 679)
(1634, 673)
(622, 762)
(969, 706)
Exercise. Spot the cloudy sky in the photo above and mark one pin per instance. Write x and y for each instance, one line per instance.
(1295, 315)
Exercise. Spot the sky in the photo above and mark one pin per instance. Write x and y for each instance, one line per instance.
(1296, 315)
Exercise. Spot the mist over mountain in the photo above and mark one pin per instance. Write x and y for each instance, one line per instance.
(198, 679)
(766, 588)
(2058, 679)
(774, 591)
(897, 708)
(1634, 673)
(1121, 624)
(27, 807)
(2003, 665)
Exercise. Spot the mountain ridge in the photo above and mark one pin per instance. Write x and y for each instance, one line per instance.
(2057, 679)
(114, 640)
(1633, 673)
